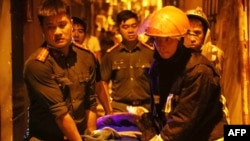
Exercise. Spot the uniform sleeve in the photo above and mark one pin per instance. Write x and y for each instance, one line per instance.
(98, 71)
(198, 96)
(106, 67)
(42, 87)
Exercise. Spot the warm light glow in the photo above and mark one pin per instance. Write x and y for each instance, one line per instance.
(142, 7)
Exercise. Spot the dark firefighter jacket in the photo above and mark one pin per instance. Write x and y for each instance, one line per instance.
(192, 87)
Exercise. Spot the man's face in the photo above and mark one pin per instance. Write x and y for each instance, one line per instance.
(195, 37)
(57, 30)
(78, 33)
(128, 29)
(166, 46)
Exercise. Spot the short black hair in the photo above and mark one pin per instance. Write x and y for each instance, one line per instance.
(81, 22)
(52, 8)
(125, 15)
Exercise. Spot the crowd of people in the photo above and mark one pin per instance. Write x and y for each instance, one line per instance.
(170, 86)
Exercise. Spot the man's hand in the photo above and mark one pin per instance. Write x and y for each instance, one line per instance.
(149, 126)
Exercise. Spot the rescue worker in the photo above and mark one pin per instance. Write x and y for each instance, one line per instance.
(199, 38)
(126, 66)
(185, 85)
(60, 79)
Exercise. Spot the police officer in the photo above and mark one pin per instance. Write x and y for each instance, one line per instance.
(60, 79)
(126, 66)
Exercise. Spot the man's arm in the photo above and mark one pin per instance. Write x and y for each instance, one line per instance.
(91, 120)
(68, 127)
(103, 96)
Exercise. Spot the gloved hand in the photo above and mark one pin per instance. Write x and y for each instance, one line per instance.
(156, 138)
(106, 133)
(149, 125)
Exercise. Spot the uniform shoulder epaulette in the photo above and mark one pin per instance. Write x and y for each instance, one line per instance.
(80, 46)
(113, 47)
(148, 46)
(43, 54)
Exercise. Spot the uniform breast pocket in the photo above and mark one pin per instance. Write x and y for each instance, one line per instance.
(61, 79)
(142, 68)
(119, 69)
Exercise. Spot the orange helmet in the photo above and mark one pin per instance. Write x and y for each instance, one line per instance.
(167, 22)
(198, 13)
(142, 27)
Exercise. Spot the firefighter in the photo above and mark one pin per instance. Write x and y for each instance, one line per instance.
(199, 38)
(185, 86)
